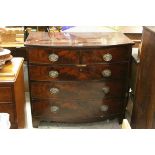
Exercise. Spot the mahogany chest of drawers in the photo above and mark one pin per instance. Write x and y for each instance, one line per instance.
(12, 97)
(80, 77)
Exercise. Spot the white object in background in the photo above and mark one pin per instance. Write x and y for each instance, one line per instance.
(4, 121)
(91, 29)
(125, 124)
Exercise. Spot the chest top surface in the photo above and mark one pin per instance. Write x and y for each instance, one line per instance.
(80, 39)
(10, 70)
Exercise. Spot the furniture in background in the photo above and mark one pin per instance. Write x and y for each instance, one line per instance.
(143, 115)
(12, 96)
(78, 77)
(132, 32)
(13, 39)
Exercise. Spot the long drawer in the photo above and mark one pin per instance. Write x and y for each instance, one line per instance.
(76, 56)
(77, 90)
(75, 110)
(5, 94)
(53, 56)
(72, 72)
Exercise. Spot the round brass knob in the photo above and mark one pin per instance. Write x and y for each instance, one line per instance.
(106, 90)
(54, 108)
(54, 90)
(53, 57)
(106, 73)
(53, 74)
(107, 57)
(104, 108)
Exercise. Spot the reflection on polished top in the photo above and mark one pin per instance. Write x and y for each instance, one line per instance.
(76, 39)
(150, 28)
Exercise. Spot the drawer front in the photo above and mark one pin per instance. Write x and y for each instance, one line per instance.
(8, 108)
(115, 54)
(77, 90)
(90, 72)
(75, 110)
(53, 56)
(5, 94)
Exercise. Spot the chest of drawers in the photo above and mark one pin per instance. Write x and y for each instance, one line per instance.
(12, 97)
(83, 78)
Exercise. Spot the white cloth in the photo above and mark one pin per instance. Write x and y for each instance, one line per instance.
(4, 121)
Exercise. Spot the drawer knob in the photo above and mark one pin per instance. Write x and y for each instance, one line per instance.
(106, 90)
(53, 57)
(54, 108)
(106, 73)
(104, 108)
(107, 57)
(54, 90)
(53, 74)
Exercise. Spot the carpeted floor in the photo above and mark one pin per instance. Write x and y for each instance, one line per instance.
(107, 124)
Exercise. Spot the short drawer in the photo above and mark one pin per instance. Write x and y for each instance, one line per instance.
(77, 90)
(72, 72)
(53, 56)
(106, 55)
(75, 110)
(5, 94)
(10, 109)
